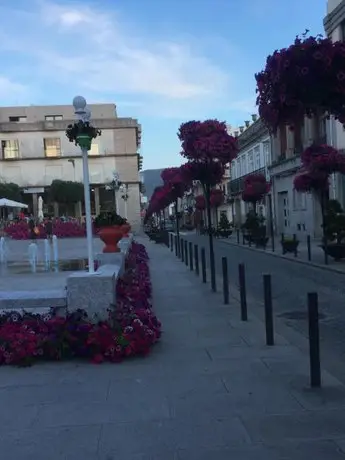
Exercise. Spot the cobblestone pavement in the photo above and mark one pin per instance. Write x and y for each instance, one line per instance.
(211, 390)
(290, 284)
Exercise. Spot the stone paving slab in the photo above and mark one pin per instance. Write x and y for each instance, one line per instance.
(211, 390)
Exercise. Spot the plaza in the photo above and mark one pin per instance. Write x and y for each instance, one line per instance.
(211, 389)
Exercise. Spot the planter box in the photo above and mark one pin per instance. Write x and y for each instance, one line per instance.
(289, 246)
(335, 250)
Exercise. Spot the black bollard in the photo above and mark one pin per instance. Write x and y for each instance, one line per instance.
(268, 310)
(186, 252)
(295, 239)
(182, 249)
(282, 236)
(176, 248)
(314, 340)
(309, 247)
(243, 294)
(238, 236)
(203, 265)
(196, 256)
(225, 280)
(171, 242)
(191, 256)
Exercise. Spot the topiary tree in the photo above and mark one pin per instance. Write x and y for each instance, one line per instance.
(66, 192)
(11, 191)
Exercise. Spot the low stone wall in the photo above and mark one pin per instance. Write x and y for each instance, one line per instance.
(96, 292)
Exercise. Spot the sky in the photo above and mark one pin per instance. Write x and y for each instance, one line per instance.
(163, 62)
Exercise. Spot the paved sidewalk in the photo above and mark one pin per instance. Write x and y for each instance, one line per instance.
(210, 390)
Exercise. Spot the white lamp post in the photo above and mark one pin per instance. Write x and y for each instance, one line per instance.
(84, 141)
(125, 196)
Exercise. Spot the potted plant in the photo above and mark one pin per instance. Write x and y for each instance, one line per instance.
(289, 244)
(110, 229)
(254, 229)
(224, 227)
(334, 230)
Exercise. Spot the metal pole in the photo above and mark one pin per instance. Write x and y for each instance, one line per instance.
(89, 234)
(314, 340)
(225, 280)
(126, 211)
(243, 292)
(268, 310)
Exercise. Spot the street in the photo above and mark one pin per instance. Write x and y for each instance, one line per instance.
(290, 284)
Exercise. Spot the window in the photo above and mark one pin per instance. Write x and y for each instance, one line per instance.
(250, 161)
(52, 147)
(53, 117)
(17, 119)
(283, 141)
(299, 200)
(94, 149)
(243, 165)
(238, 168)
(266, 150)
(257, 157)
(10, 149)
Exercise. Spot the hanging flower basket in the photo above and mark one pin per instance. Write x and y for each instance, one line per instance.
(82, 133)
(323, 158)
(309, 181)
(305, 79)
(200, 202)
(255, 188)
(217, 198)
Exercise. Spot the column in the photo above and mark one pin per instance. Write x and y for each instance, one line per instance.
(97, 202)
(56, 209)
(78, 210)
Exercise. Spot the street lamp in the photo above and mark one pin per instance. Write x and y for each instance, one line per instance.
(125, 196)
(82, 133)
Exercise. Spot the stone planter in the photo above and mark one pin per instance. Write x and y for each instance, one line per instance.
(110, 237)
(289, 246)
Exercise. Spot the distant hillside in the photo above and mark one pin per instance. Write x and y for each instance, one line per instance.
(151, 178)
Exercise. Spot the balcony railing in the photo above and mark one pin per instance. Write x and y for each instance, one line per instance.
(236, 186)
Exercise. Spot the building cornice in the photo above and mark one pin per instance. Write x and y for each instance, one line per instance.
(334, 19)
(61, 125)
(68, 157)
(252, 134)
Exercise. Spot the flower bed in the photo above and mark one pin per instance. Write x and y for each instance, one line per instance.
(131, 330)
(70, 229)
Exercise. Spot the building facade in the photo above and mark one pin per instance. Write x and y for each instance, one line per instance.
(254, 156)
(35, 151)
(334, 24)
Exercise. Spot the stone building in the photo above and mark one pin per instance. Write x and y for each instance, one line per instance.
(35, 151)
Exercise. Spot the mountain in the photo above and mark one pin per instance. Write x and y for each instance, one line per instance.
(151, 178)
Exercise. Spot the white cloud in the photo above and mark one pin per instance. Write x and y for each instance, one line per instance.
(75, 45)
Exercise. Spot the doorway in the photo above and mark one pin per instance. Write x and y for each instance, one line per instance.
(283, 212)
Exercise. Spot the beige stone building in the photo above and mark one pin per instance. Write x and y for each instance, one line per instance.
(35, 151)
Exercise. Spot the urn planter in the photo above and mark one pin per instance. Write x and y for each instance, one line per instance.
(110, 237)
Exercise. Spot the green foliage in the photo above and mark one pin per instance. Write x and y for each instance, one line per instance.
(109, 219)
(334, 221)
(10, 191)
(224, 224)
(73, 131)
(254, 224)
(66, 192)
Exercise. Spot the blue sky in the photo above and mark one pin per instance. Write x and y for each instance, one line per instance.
(161, 61)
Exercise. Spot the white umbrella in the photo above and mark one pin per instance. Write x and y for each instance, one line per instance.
(4, 202)
(40, 208)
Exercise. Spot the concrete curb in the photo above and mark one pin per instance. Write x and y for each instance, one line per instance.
(273, 254)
